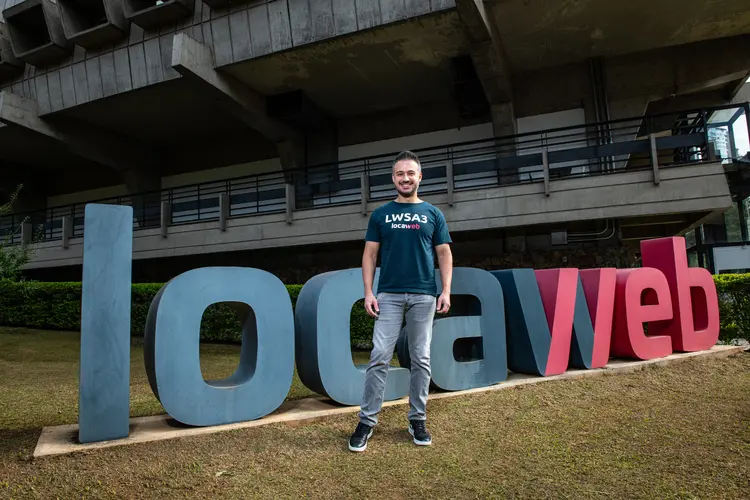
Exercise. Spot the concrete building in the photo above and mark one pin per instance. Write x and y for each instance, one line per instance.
(260, 133)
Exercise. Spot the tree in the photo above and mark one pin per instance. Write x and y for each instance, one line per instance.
(13, 256)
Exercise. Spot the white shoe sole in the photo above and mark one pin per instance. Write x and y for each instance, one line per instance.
(416, 441)
(358, 450)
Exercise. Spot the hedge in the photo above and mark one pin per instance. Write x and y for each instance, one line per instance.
(734, 305)
(57, 306)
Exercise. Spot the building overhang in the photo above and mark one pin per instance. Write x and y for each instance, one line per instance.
(696, 191)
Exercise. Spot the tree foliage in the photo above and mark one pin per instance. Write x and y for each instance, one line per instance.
(13, 255)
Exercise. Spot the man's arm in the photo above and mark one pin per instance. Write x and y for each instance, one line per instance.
(445, 261)
(369, 261)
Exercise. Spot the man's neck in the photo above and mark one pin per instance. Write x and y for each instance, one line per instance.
(412, 199)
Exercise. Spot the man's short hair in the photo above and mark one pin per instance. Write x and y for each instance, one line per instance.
(407, 155)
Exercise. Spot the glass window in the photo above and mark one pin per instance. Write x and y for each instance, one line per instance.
(732, 224)
(740, 137)
(690, 239)
(692, 259)
(745, 204)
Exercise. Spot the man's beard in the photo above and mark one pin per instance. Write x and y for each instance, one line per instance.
(407, 190)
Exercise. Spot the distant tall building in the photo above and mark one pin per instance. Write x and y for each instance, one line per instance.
(720, 137)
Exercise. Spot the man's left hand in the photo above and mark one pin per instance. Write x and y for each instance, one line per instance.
(444, 303)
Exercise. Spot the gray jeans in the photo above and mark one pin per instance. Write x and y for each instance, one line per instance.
(415, 313)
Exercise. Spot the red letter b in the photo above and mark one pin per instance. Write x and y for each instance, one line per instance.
(695, 322)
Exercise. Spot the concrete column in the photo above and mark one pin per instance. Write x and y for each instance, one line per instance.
(290, 203)
(292, 157)
(27, 230)
(314, 161)
(67, 230)
(322, 145)
(166, 217)
(545, 167)
(450, 181)
(144, 186)
(223, 211)
(504, 125)
(654, 158)
(503, 119)
(364, 183)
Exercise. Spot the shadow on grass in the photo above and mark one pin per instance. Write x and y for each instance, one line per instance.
(18, 443)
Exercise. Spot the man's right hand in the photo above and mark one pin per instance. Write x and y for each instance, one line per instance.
(371, 306)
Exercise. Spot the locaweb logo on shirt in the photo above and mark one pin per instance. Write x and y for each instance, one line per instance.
(395, 220)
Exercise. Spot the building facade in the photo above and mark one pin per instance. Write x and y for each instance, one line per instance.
(261, 133)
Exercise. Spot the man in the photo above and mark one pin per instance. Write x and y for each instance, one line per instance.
(405, 231)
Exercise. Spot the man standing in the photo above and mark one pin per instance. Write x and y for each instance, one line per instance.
(405, 231)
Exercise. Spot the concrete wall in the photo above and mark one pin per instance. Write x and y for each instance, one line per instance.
(554, 89)
(698, 188)
(88, 195)
(246, 31)
(416, 141)
(171, 181)
(223, 173)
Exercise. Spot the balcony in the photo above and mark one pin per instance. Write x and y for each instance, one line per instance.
(554, 175)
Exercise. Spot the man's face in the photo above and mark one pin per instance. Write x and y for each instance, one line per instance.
(406, 177)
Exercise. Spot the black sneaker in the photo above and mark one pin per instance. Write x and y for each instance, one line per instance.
(358, 441)
(419, 432)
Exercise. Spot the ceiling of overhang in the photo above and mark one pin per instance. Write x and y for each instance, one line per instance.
(390, 67)
(22, 147)
(544, 33)
(173, 112)
(30, 158)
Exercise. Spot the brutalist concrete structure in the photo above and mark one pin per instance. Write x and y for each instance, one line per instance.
(36, 33)
(93, 23)
(260, 132)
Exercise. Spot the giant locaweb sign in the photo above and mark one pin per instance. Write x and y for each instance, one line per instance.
(537, 322)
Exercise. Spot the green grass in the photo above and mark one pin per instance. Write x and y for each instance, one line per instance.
(679, 431)
(39, 377)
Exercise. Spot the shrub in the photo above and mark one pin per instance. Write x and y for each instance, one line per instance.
(734, 305)
(57, 306)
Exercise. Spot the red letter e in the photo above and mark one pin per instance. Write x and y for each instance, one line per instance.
(633, 308)
(695, 304)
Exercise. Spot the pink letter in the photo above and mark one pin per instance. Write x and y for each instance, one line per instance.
(557, 288)
(634, 308)
(695, 325)
(599, 288)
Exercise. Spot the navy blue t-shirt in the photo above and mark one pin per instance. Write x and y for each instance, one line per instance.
(407, 233)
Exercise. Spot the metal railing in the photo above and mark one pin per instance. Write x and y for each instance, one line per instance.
(643, 143)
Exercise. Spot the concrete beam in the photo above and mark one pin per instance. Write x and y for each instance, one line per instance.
(487, 52)
(81, 139)
(684, 69)
(733, 90)
(195, 62)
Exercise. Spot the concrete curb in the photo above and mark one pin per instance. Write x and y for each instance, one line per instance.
(61, 439)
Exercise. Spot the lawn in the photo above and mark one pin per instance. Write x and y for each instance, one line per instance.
(39, 377)
(680, 431)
